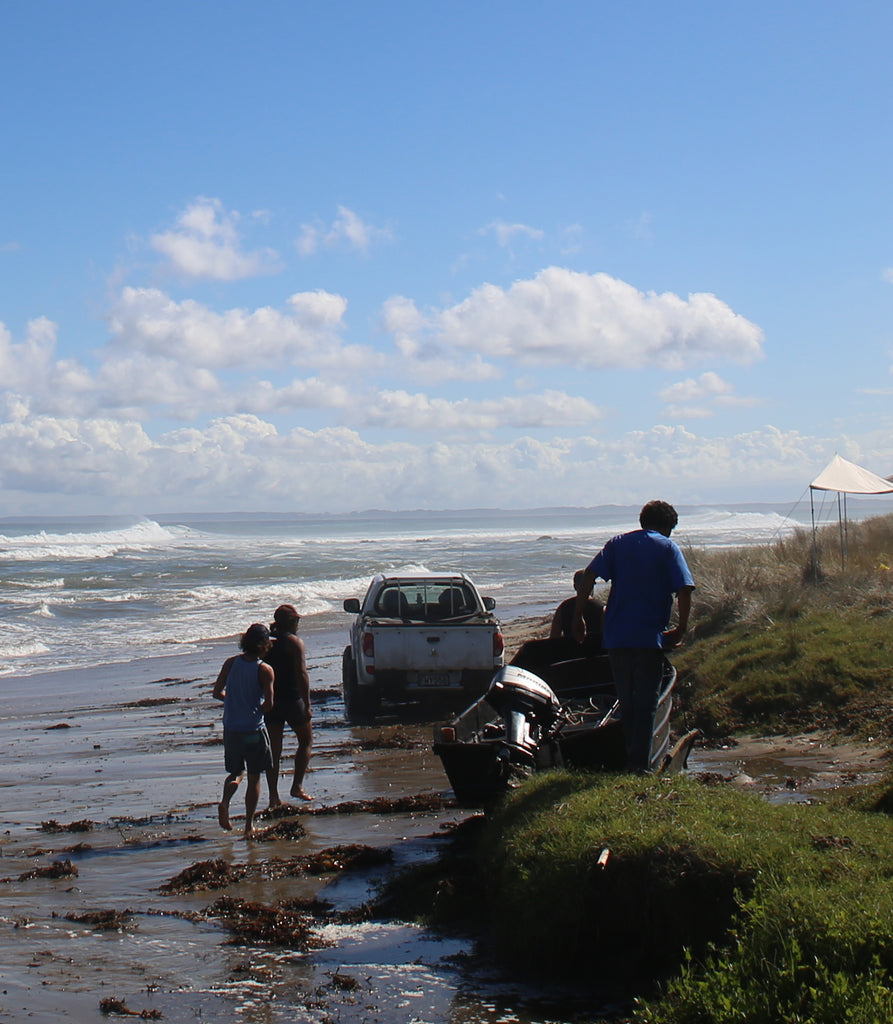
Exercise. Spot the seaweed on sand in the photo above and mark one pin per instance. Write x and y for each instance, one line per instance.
(218, 874)
(118, 1008)
(52, 825)
(206, 874)
(284, 924)
(58, 869)
(387, 805)
(102, 920)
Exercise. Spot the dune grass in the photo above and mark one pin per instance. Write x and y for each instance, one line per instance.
(779, 647)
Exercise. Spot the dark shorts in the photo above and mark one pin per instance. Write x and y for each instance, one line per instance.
(293, 713)
(246, 751)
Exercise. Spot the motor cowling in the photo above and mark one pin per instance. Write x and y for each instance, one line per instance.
(528, 707)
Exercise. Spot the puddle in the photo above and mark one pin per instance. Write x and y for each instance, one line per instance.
(798, 769)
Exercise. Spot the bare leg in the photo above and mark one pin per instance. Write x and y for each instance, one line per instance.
(302, 758)
(229, 789)
(274, 730)
(252, 795)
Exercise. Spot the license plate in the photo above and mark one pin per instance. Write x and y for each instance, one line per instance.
(434, 679)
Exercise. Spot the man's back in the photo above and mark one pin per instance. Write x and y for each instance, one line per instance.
(645, 569)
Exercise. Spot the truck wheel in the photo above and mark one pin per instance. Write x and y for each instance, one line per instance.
(360, 703)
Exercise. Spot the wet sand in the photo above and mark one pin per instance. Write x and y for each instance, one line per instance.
(110, 783)
(110, 786)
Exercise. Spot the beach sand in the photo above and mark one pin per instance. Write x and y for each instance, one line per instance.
(110, 783)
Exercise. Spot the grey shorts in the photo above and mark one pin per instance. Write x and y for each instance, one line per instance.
(246, 751)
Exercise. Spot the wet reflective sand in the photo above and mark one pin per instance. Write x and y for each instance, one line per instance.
(111, 783)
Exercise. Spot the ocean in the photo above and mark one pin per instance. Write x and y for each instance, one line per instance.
(83, 591)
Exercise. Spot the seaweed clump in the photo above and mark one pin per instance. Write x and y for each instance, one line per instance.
(283, 924)
(206, 874)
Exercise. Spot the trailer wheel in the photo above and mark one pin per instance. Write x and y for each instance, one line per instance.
(361, 703)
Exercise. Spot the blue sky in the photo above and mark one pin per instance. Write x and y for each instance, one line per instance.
(334, 256)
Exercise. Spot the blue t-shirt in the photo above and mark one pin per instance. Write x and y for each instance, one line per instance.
(645, 570)
(244, 696)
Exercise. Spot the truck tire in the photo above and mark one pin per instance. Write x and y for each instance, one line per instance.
(361, 703)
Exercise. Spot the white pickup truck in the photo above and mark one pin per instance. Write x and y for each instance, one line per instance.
(418, 635)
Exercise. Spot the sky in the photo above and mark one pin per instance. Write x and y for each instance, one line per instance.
(323, 257)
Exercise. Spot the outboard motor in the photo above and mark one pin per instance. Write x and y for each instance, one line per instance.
(528, 708)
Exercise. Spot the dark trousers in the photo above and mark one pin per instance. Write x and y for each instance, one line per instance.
(638, 675)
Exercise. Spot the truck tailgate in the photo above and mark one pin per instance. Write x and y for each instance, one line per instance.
(434, 648)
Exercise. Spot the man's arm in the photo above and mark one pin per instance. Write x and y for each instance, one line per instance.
(222, 676)
(265, 677)
(674, 637)
(301, 673)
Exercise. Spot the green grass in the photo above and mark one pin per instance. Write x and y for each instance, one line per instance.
(773, 649)
(747, 911)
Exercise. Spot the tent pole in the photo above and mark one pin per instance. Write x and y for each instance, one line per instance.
(840, 531)
(846, 533)
(815, 553)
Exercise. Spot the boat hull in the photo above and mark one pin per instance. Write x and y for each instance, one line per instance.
(588, 736)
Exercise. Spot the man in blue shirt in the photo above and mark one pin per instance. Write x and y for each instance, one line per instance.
(646, 571)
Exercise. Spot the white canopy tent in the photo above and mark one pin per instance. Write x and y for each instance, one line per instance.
(844, 478)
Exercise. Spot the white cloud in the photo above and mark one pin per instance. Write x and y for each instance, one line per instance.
(23, 364)
(243, 461)
(710, 390)
(708, 385)
(147, 320)
(507, 233)
(348, 231)
(417, 412)
(206, 244)
(586, 320)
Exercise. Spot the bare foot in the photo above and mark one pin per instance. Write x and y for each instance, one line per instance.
(300, 793)
(274, 803)
(223, 817)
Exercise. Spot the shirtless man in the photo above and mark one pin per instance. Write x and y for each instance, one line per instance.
(291, 703)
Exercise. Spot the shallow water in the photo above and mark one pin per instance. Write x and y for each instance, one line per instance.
(134, 752)
(135, 760)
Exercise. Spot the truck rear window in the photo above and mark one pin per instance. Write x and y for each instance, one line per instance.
(425, 601)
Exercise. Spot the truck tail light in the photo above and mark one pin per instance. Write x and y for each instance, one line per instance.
(368, 645)
(498, 644)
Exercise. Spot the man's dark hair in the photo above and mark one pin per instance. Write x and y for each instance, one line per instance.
(659, 516)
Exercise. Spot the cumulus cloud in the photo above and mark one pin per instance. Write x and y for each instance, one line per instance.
(147, 320)
(23, 363)
(221, 464)
(418, 412)
(347, 231)
(700, 398)
(185, 361)
(205, 244)
(585, 320)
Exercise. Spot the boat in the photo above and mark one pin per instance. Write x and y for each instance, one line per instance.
(549, 707)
